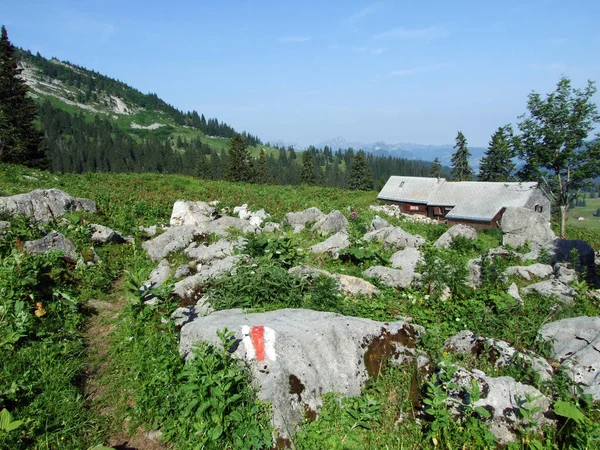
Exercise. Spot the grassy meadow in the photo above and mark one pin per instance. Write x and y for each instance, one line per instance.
(87, 364)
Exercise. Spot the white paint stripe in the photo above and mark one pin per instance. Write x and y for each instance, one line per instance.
(247, 339)
(270, 344)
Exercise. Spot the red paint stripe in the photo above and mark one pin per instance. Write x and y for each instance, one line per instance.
(258, 339)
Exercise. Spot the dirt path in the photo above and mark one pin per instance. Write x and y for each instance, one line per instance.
(98, 337)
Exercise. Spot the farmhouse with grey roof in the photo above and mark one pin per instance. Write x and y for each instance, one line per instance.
(477, 203)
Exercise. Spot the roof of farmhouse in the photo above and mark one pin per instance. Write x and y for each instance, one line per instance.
(471, 200)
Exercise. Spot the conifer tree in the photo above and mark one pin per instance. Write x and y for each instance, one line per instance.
(497, 164)
(436, 168)
(261, 170)
(360, 176)
(461, 170)
(239, 166)
(20, 140)
(308, 168)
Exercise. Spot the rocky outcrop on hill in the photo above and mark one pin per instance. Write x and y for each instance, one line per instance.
(44, 205)
(295, 356)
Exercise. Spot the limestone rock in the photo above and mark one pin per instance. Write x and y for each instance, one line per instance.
(474, 276)
(295, 356)
(187, 314)
(446, 239)
(576, 344)
(308, 272)
(537, 270)
(500, 353)
(53, 241)
(395, 237)
(564, 274)
(350, 285)
(332, 245)
(187, 288)
(158, 276)
(298, 220)
(334, 222)
(221, 226)
(218, 250)
(44, 205)
(513, 291)
(173, 240)
(378, 223)
(501, 397)
(186, 212)
(551, 288)
(390, 277)
(105, 235)
(521, 225)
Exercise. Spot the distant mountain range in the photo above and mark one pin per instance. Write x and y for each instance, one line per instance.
(402, 150)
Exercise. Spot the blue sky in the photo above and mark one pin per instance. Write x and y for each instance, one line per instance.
(307, 71)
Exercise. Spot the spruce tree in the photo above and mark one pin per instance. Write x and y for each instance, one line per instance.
(20, 140)
(261, 170)
(436, 168)
(360, 177)
(497, 164)
(239, 165)
(308, 168)
(461, 170)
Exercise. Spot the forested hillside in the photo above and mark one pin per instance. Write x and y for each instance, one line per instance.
(94, 123)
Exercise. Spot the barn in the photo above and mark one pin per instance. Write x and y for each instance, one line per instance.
(479, 204)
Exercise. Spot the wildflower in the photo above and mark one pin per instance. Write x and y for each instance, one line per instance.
(39, 310)
(354, 215)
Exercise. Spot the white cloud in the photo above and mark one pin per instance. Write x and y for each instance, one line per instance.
(295, 38)
(413, 34)
(362, 13)
(419, 69)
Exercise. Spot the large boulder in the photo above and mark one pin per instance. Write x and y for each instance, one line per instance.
(502, 397)
(186, 212)
(395, 237)
(44, 205)
(173, 240)
(391, 277)
(576, 345)
(551, 288)
(332, 245)
(105, 235)
(219, 250)
(537, 270)
(499, 353)
(460, 230)
(53, 241)
(522, 225)
(295, 356)
(334, 222)
(298, 220)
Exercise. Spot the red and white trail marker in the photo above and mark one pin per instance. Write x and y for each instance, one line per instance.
(259, 342)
